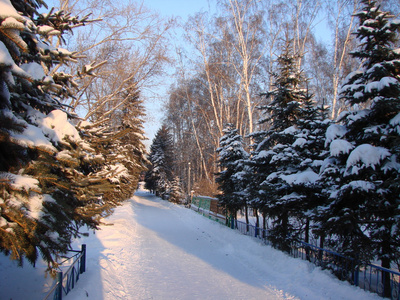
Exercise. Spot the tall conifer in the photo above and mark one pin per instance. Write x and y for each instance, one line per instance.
(54, 176)
(160, 174)
(362, 217)
(276, 162)
(231, 157)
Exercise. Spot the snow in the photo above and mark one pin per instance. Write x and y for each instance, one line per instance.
(47, 30)
(392, 164)
(381, 84)
(396, 120)
(57, 127)
(23, 182)
(153, 249)
(290, 130)
(357, 115)
(368, 155)
(33, 136)
(8, 10)
(265, 154)
(65, 156)
(340, 146)
(117, 172)
(12, 23)
(35, 207)
(34, 69)
(348, 78)
(5, 57)
(301, 177)
(7, 61)
(360, 185)
(300, 142)
(333, 132)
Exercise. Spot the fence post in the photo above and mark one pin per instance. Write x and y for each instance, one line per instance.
(356, 271)
(83, 259)
(59, 288)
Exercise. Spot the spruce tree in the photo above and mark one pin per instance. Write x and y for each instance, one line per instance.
(36, 216)
(177, 194)
(160, 173)
(275, 162)
(305, 184)
(123, 143)
(231, 157)
(53, 177)
(362, 216)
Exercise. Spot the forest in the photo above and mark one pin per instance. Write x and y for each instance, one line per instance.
(302, 132)
(264, 112)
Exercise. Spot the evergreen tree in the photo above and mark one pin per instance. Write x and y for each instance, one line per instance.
(55, 177)
(231, 163)
(277, 165)
(126, 140)
(362, 172)
(176, 194)
(160, 173)
(37, 213)
(305, 185)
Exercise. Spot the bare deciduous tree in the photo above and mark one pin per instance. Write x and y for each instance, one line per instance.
(341, 18)
(131, 40)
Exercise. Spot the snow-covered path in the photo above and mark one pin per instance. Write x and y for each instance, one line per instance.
(158, 250)
(153, 249)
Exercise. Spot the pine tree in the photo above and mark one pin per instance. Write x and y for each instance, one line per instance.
(34, 217)
(160, 173)
(176, 195)
(53, 177)
(132, 140)
(120, 140)
(277, 165)
(231, 157)
(362, 216)
(304, 178)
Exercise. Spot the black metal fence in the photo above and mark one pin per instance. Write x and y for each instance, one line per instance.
(373, 278)
(65, 281)
(369, 277)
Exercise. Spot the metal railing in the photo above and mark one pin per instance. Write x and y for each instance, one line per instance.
(65, 281)
(372, 278)
(207, 213)
(380, 280)
(376, 279)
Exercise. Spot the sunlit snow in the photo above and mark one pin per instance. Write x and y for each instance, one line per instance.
(340, 146)
(153, 249)
(366, 155)
(333, 132)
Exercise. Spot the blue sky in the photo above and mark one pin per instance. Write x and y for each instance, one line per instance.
(169, 8)
(181, 8)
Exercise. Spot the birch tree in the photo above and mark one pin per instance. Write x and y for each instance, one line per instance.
(245, 24)
(341, 19)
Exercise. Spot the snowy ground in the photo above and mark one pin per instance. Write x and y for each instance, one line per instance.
(158, 250)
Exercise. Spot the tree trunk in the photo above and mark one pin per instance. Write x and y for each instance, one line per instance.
(246, 211)
(264, 224)
(385, 263)
(307, 231)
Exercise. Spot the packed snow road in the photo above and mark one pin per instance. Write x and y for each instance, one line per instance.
(158, 250)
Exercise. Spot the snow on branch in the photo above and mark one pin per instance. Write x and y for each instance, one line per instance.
(364, 156)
